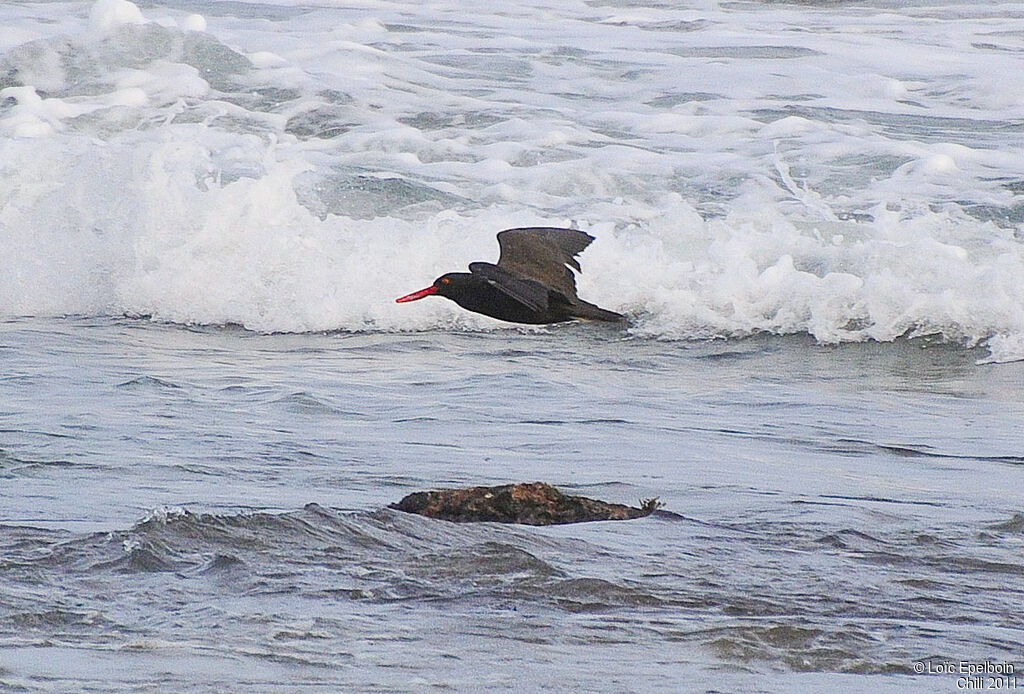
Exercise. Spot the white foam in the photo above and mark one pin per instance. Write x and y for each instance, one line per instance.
(300, 174)
(34, 116)
(107, 15)
(162, 81)
(267, 59)
(1004, 348)
(194, 22)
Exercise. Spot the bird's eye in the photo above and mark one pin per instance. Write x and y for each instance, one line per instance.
(445, 280)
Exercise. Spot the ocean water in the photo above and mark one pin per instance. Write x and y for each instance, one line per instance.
(811, 213)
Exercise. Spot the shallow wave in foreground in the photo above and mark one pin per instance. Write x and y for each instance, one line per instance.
(746, 601)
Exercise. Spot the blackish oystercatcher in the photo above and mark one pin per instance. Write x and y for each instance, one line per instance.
(531, 283)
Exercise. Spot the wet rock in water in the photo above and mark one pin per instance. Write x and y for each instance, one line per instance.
(531, 504)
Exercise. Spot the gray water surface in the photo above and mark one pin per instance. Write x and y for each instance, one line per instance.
(203, 509)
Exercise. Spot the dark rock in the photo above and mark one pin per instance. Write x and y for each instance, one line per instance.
(528, 503)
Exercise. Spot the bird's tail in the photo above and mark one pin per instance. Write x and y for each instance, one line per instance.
(583, 309)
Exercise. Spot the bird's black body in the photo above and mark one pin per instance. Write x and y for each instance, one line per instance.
(531, 283)
(475, 293)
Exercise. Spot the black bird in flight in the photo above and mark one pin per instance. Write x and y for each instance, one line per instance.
(531, 283)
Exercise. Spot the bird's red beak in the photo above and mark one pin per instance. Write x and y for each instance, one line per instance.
(417, 295)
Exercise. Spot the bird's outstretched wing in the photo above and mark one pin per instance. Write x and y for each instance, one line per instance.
(543, 254)
(526, 292)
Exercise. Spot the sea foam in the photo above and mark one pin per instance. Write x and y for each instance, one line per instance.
(203, 169)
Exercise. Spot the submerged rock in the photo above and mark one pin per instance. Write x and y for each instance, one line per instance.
(528, 503)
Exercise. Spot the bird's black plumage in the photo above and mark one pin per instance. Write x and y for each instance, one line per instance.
(531, 283)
